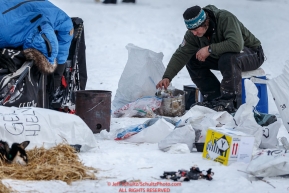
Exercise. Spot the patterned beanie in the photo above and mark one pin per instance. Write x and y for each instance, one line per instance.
(194, 17)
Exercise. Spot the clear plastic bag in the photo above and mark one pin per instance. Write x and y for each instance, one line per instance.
(143, 107)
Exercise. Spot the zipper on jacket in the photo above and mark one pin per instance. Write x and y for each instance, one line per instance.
(19, 4)
(36, 18)
(47, 42)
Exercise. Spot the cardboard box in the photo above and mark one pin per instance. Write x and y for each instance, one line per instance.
(227, 146)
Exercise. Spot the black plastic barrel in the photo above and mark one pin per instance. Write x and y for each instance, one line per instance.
(191, 95)
(94, 108)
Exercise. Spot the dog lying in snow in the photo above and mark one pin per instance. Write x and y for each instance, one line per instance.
(15, 154)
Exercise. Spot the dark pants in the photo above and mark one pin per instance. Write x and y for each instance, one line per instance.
(231, 65)
(57, 75)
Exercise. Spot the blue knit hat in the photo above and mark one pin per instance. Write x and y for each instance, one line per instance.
(194, 17)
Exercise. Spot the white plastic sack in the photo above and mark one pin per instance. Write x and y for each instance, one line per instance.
(269, 162)
(279, 88)
(129, 131)
(143, 70)
(185, 135)
(269, 138)
(244, 117)
(154, 133)
(44, 128)
(201, 118)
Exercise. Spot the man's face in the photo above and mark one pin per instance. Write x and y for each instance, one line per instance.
(200, 31)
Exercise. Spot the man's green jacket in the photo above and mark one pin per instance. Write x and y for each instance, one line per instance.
(230, 36)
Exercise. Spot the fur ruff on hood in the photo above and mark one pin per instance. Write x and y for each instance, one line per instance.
(40, 61)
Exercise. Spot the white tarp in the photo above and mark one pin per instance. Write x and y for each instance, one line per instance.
(201, 118)
(154, 133)
(244, 116)
(269, 162)
(180, 135)
(279, 88)
(143, 70)
(44, 127)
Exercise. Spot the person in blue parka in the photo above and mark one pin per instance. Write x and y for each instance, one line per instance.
(40, 28)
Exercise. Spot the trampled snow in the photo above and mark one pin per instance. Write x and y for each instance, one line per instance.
(158, 25)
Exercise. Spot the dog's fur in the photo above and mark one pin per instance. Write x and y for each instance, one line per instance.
(40, 61)
(15, 154)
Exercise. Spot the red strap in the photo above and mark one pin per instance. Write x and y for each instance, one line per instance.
(63, 82)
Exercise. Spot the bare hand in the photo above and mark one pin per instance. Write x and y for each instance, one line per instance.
(202, 54)
(163, 83)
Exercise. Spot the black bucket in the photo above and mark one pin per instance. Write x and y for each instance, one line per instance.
(94, 108)
(199, 147)
(192, 95)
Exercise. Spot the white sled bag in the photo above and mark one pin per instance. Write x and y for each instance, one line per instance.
(143, 70)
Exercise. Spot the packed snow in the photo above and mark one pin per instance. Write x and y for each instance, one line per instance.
(158, 25)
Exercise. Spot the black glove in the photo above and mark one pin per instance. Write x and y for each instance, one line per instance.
(11, 59)
(168, 175)
(7, 63)
(208, 175)
(194, 173)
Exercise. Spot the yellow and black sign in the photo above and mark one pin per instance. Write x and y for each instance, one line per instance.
(224, 146)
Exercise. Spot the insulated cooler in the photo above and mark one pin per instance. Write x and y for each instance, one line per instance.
(262, 105)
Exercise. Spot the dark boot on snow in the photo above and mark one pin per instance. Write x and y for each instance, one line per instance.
(128, 1)
(109, 2)
(218, 105)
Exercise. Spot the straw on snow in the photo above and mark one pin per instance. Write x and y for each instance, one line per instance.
(58, 163)
(4, 189)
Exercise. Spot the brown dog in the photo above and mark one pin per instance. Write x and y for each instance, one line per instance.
(15, 154)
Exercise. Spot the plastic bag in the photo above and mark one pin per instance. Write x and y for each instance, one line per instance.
(153, 133)
(143, 70)
(244, 117)
(279, 88)
(129, 131)
(269, 137)
(143, 107)
(201, 118)
(264, 119)
(269, 162)
(185, 135)
(44, 128)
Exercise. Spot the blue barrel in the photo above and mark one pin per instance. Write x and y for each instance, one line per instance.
(262, 105)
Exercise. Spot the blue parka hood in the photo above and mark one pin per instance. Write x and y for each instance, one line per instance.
(36, 24)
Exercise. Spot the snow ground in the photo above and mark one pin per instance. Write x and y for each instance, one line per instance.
(158, 25)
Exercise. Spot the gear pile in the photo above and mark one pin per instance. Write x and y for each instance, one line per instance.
(184, 175)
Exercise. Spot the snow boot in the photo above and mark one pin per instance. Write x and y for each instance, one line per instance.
(128, 1)
(218, 105)
(109, 2)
